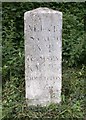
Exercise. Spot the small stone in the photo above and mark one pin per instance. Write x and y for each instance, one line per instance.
(43, 56)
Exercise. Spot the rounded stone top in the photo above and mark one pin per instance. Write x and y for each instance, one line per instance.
(43, 10)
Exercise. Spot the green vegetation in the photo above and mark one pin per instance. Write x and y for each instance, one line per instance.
(72, 106)
(0, 102)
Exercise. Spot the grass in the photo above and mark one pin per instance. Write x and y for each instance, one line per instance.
(0, 103)
(13, 94)
(72, 105)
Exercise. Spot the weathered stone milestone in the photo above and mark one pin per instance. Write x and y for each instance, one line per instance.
(43, 54)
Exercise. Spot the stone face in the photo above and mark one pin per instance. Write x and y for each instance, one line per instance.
(43, 44)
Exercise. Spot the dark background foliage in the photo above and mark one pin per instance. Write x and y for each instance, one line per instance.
(74, 62)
